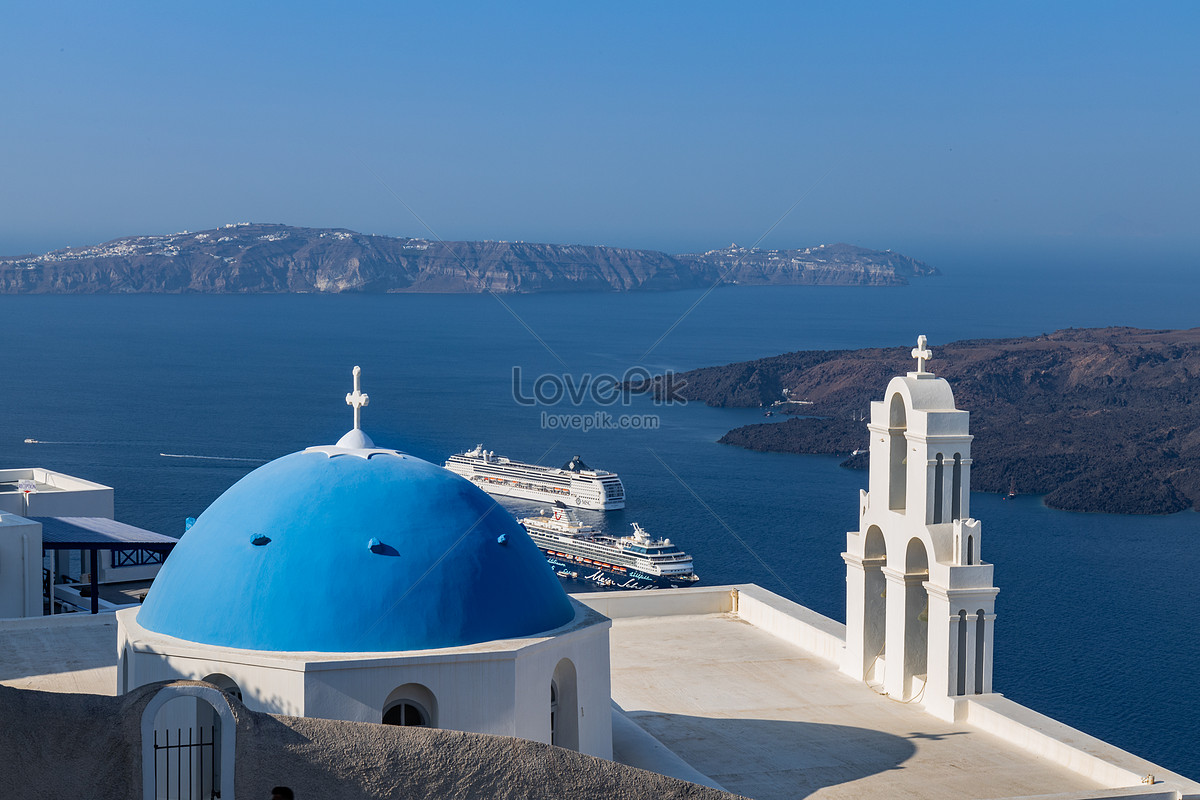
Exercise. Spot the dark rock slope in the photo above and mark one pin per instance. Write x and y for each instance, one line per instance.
(1097, 420)
(250, 258)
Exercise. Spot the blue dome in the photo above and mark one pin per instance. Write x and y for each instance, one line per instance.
(330, 551)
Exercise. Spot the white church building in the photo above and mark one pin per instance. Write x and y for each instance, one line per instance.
(357, 583)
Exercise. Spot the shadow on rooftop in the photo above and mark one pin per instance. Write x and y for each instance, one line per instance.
(768, 759)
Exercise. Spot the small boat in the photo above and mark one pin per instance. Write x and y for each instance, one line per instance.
(1012, 490)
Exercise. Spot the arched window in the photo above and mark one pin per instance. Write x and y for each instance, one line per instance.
(980, 625)
(956, 488)
(412, 705)
(225, 683)
(962, 652)
(938, 480)
(897, 455)
(406, 713)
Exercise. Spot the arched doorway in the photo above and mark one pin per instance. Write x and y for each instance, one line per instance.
(564, 706)
(916, 614)
(188, 735)
(897, 454)
(411, 705)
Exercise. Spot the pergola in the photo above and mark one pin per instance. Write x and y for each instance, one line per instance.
(94, 534)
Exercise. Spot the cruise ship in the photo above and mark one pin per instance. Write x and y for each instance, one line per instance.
(577, 549)
(573, 484)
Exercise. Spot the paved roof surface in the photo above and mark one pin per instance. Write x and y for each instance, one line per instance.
(65, 653)
(767, 720)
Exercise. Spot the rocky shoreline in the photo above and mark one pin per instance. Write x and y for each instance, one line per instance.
(1104, 420)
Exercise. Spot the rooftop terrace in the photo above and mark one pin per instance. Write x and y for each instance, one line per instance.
(742, 685)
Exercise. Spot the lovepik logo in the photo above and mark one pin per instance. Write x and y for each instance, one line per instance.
(550, 389)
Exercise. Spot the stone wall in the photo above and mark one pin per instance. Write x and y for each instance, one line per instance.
(89, 746)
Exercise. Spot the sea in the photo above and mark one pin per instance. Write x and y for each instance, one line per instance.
(172, 399)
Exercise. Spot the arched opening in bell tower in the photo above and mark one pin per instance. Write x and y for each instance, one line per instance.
(897, 454)
(939, 476)
(916, 613)
(961, 666)
(956, 488)
(875, 602)
(980, 631)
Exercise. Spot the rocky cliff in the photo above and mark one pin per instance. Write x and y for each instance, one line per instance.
(1096, 420)
(248, 258)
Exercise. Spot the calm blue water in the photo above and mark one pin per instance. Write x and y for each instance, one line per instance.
(1100, 601)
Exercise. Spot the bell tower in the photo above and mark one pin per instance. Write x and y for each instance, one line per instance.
(919, 597)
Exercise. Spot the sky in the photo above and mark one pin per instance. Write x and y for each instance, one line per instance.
(929, 128)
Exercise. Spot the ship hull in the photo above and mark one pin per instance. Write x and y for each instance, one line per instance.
(621, 577)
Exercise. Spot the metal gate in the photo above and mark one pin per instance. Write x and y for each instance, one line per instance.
(186, 770)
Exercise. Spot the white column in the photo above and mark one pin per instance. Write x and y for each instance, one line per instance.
(854, 663)
(894, 679)
(943, 645)
(989, 625)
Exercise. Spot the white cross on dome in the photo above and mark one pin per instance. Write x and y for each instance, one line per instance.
(357, 399)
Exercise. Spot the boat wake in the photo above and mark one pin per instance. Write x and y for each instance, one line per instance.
(213, 458)
(47, 441)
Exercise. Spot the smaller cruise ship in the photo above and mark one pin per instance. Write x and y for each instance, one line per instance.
(572, 484)
(575, 547)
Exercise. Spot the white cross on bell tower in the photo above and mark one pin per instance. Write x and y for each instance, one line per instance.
(357, 399)
(921, 353)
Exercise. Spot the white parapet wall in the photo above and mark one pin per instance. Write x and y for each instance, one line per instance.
(792, 622)
(662, 602)
(55, 494)
(763, 609)
(1073, 749)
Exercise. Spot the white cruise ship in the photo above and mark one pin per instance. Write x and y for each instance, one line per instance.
(575, 547)
(573, 484)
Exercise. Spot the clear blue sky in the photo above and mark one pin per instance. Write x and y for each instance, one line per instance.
(921, 127)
